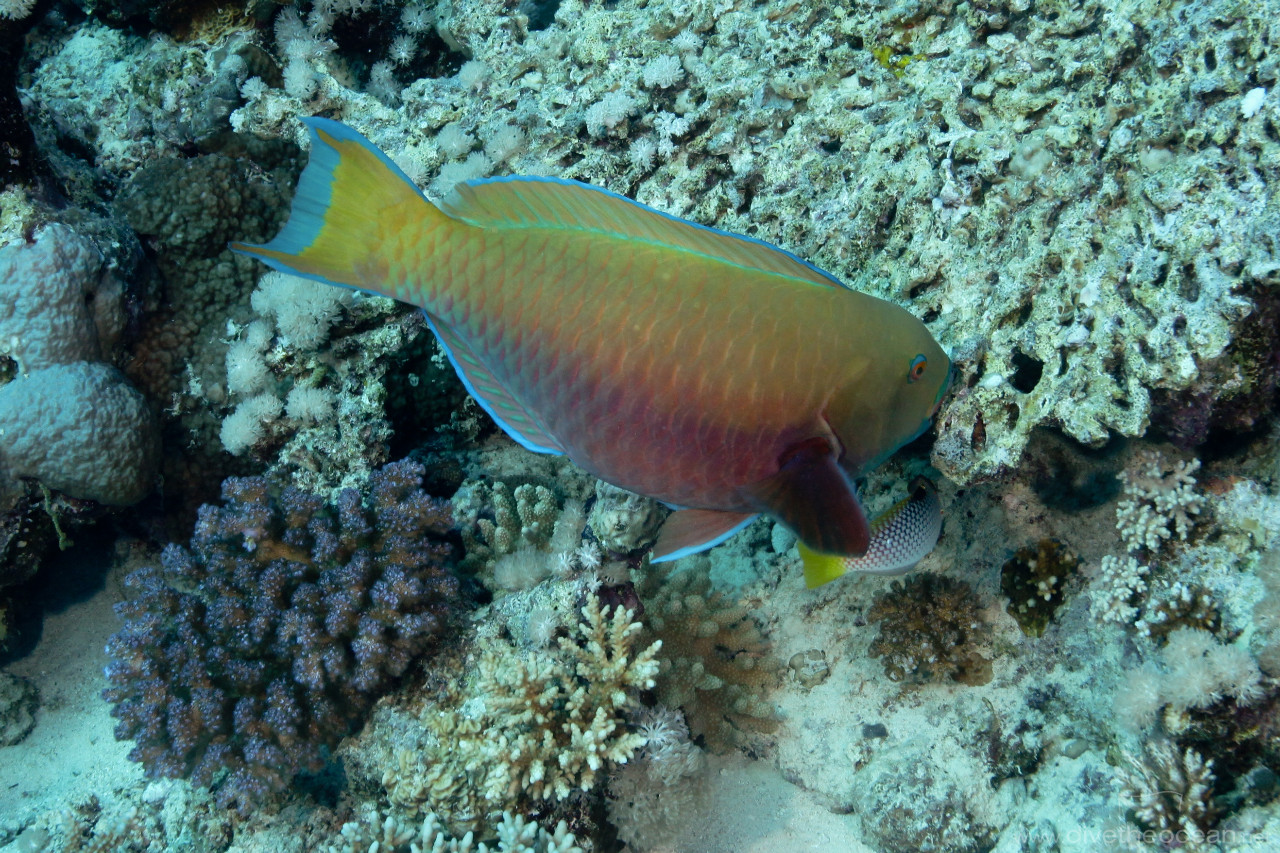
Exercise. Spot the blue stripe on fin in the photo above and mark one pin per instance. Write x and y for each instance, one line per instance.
(509, 413)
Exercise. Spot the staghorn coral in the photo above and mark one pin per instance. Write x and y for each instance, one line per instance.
(267, 640)
(533, 726)
(387, 835)
(930, 630)
(716, 664)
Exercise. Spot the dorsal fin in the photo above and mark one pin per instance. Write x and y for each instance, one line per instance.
(524, 202)
(496, 399)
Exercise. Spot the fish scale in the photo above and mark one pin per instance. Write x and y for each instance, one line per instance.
(707, 370)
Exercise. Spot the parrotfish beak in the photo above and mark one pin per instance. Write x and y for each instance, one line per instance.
(942, 392)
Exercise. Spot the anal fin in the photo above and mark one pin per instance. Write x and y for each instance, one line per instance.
(813, 496)
(496, 399)
(689, 531)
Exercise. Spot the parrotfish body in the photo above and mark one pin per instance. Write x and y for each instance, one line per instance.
(713, 372)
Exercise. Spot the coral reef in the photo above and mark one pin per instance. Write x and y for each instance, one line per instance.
(930, 630)
(778, 122)
(66, 408)
(716, 662)
(18, 701)
(1077, 198)
(1034, 580)
(387, 835)
(270, 637)
(532, 726)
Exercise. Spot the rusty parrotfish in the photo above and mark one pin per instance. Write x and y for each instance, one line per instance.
(716, 373)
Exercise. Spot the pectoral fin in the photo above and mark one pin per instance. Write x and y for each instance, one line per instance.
(689, 531)
(813, 496)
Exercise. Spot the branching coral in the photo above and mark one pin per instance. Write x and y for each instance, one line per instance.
(388, 835)
(519, 533)
(1160, 501)
(268, 639)
(540, 727)
(1121, 581)
(716, 664)
(930, 629)
(1170, 792)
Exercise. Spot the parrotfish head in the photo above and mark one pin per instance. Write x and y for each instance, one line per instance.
(892, 400)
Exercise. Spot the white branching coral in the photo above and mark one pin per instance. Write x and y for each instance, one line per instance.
(1160, 501)
(1117, 589)
(389, 835)
(1170, 793)
(539, 726)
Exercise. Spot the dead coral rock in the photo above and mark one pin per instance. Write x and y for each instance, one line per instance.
(18, 700)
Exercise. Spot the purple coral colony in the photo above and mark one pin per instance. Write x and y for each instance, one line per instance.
(303, 550)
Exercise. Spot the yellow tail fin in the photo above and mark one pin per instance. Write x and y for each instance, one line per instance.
(351, 204)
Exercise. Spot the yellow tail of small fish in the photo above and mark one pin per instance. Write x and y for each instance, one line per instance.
(350, 215)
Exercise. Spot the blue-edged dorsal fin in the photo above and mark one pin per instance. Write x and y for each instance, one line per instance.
(524, 202)
(496, 399)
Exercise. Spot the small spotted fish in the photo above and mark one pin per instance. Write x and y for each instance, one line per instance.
(901, 536)
(713, 372)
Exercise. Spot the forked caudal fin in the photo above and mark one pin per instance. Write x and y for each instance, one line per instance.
(351, 200)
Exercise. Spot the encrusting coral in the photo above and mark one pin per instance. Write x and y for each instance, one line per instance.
(532, 727)
(268, 639)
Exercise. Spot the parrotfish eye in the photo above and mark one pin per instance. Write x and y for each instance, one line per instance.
(918, 364)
